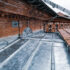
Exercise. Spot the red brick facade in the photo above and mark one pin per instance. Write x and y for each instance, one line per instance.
(27, 15)
(6, 28)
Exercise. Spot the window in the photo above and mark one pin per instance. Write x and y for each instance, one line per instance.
(14, 24)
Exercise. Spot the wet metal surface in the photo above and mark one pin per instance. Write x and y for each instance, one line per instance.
(42, 59)
(6, 53)
(18, 59)
(62, 58)
(43, 51)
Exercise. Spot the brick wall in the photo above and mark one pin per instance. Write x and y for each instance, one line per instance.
(36, 18)
(54, 26)
(6, 28)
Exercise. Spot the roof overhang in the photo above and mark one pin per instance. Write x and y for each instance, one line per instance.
(44, 7)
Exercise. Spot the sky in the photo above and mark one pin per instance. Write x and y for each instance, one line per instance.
(63, 3)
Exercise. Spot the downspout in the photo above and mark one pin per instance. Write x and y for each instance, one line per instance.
(19, 35)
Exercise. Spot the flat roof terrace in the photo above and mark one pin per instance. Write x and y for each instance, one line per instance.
(39, 51)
